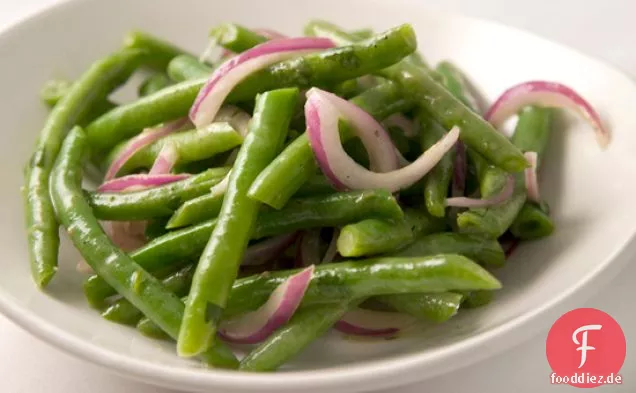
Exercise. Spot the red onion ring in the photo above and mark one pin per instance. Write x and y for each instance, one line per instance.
(550, 94)
(532, 183)
(234, 70)
(256, 326)
(267, 250)
(322, 112)
(165, 161)
(124, 183)
(503, 195)
(363, 322)
(140, 141)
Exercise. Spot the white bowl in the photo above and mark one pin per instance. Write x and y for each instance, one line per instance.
(590, 191)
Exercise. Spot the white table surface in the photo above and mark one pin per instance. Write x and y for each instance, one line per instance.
(602, 28)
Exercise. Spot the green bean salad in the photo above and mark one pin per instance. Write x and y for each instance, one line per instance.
(277, 187)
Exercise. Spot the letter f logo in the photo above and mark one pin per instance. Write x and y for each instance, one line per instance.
(583, 344)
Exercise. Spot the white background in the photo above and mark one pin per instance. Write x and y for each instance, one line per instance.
(605, 29)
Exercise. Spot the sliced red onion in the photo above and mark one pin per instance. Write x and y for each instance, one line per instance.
(532, 184)
(504, 194)
(403, 123)
(234, 70)
(165, 161)
(236, 117)
(363, 322)
(549, 94)
(332, 249)
(322, 112)
(256, 326)
(460, 168)
(267, 250)
(308, 249)
(125, 183)
(142, 140)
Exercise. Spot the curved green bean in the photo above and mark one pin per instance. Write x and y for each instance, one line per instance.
(304, 213)
(190, 146)
(320, 69)
(153, 202)
(374, 236)
(219, 264)
(92, 87)
(296, 164)
(185, 67)
(117, 268)
(53, 91)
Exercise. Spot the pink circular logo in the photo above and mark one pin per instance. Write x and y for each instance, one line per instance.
(586, 348)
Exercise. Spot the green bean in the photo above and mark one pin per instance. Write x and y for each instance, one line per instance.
(117, 268)
(303, 328)
(484, 251)
(491, 179)
(456, 84)
(153, 84)
(123, 311)
(154, 202)
(296, 164)
(155, 228)
(208, 206)
(125, 121)
(476, 299)
(495, 220)
(438, 180)
(447, 110)
(53, 91)
(190, 146)
(197, 210)
(185, 67)
(322, 28)
(219, 264)
(532, 223)
(321, 69)
(93, 86)
(304, 213)
(236, 38)
(359, 279)
(374, 236)
(436, 307)
(160, 52)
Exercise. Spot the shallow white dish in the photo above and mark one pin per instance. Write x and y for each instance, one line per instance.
(590, 191)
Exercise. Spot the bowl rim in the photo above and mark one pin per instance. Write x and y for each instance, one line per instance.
(367, 372)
